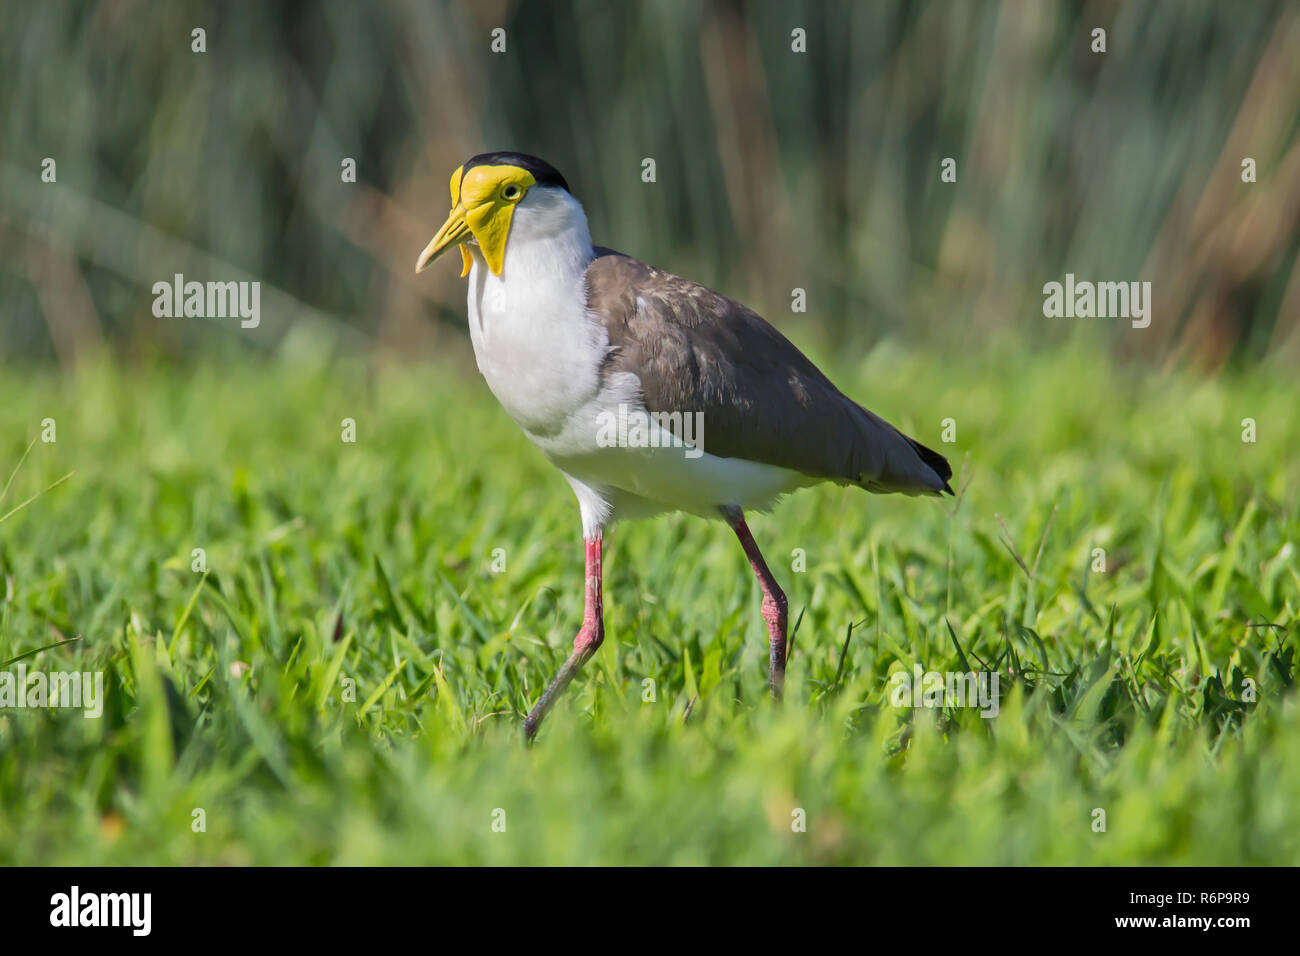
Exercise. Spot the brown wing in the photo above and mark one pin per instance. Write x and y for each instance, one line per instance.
(763, 400)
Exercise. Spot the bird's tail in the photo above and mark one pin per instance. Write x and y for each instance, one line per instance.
(904, 464)
(936, 462)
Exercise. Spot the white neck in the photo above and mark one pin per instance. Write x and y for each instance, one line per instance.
(533, 339)
(548, 236)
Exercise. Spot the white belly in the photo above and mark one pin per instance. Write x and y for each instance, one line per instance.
(640, 482)
(541, 355)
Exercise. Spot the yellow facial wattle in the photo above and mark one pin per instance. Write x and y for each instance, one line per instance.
(467, 261)
(483, 203)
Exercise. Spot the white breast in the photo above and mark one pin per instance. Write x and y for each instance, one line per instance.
(535, 346)
(541, 354)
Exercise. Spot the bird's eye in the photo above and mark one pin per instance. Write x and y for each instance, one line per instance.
(511, 192)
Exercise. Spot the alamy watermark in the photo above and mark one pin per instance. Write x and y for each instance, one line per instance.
(1100, 300)
(133, 911)
(633, 427)
(208, 300)
(84, 690)
(939, 689)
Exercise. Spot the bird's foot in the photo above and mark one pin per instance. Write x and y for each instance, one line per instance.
(776, 614)
(585, 645)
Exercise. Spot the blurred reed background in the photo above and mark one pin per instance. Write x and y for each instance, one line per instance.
(775, 169)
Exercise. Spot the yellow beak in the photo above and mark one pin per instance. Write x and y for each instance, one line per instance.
(481, 211)
(453, 232)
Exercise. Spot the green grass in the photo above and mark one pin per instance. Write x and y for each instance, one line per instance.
(372, 562)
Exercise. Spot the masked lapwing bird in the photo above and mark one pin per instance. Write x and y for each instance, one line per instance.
(649, 392)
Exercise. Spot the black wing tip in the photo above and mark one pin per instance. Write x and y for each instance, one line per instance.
(936, 462)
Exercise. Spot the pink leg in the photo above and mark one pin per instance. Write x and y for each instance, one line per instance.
(775, 606)
(584, 645)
